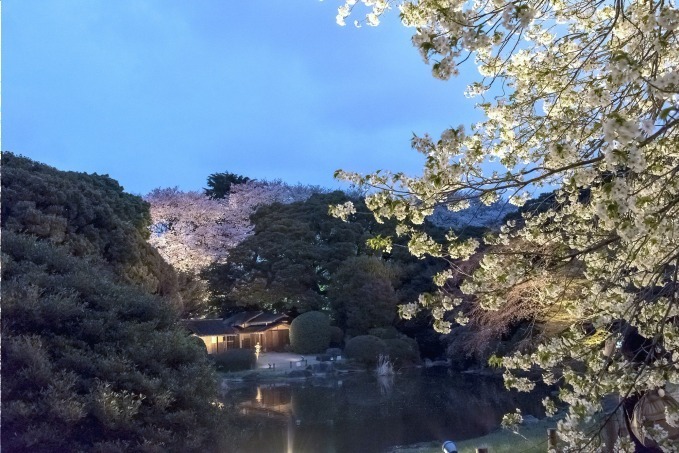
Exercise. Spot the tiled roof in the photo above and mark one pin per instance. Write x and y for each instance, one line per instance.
(267, 318)
(206, 327)
(241, 318)
(244, 322)
(254, 329)
(254, 318)
(258, 328)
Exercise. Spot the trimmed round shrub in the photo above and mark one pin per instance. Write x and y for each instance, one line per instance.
(336, 336)
(310, 333)
(365, 349)
(403, 351)
(235, 360)
(385, 333)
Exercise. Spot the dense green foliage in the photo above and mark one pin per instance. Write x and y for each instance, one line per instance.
(88, 214)
(310, 333)
(365, 349)
(93, 358)
(385, 333)
(289, 261)
(300, 258)
(402, 351)
(219, 184)
(362, 294)
(235, 360)
(336, 336)
(431, 343)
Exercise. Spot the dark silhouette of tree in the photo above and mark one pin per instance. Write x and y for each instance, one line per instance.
(362, 294)
(219, 184)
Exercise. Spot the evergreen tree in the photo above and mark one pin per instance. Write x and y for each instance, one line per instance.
(93, 356)
(362, 294)
(219, 184)
(287, 263)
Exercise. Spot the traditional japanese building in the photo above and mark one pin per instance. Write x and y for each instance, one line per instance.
(242, 331)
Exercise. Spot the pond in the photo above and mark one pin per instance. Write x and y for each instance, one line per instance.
(363, 413)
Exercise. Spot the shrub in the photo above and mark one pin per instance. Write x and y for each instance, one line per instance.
(235, 360)
(336, 336)
(323, 357)
(365, 349)
(334, 352)
(198, 342)
(402, 351)
(86, 335)
(385, 333)
(310, 333)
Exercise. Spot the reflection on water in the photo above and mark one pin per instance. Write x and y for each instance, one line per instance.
(365, 414)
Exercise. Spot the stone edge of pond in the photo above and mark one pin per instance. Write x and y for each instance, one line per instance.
(256, 376)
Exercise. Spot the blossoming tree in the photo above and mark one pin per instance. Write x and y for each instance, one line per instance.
(583, 96)
(192, 230)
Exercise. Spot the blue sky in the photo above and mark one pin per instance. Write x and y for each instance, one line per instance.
(163, 93)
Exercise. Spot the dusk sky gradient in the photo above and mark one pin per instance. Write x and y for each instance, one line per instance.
(162, 93)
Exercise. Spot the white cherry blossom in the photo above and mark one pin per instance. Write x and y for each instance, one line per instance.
(578, 95)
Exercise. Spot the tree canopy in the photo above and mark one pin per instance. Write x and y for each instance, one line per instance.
(362, 294)
(192, 230)
(578, 95)
(289, 261)
(93, 357)
(219, 184)
(88, 214)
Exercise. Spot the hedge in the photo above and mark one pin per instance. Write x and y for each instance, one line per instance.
(365, 349)
(310, 333)
(235, 360)
(403, 351)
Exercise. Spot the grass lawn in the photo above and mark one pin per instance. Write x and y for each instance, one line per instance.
(534, 440)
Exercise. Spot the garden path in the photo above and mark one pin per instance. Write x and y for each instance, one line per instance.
(282, 360)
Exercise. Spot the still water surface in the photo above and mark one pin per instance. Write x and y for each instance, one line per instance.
(362, 413)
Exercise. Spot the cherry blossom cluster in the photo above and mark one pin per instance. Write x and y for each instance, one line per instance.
(192, 231)
(578, 95)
